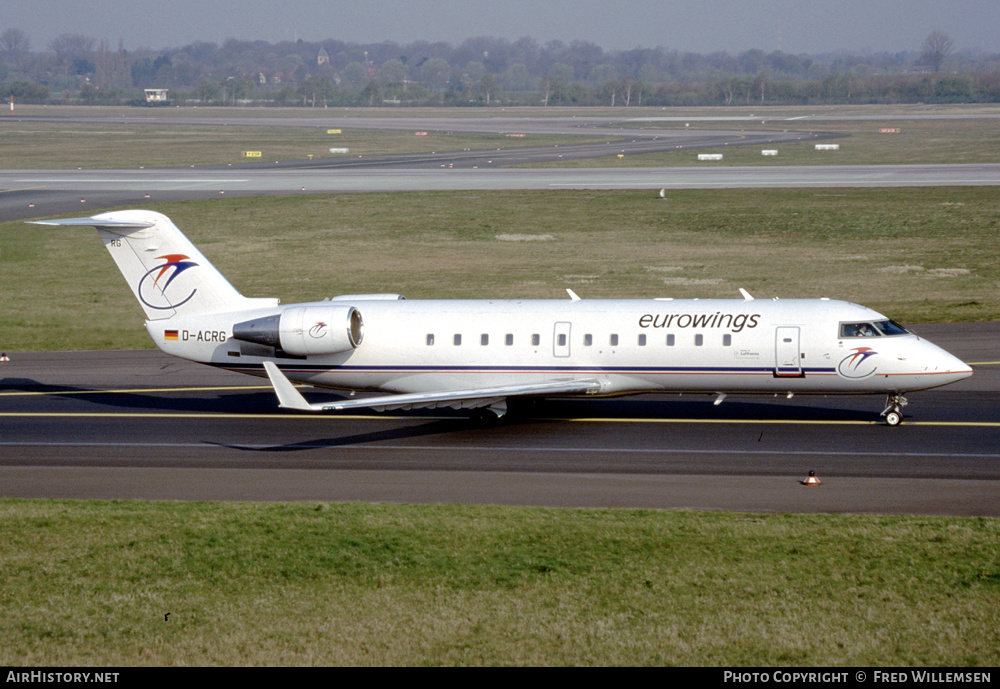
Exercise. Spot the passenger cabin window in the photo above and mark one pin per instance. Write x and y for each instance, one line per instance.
(588, 340)
(727, 340)
(561, 339)
(699, 340)
(671, 340)
(613, 340)
(642, 340)
(484, 339)
(509, 339)
(536, 339)
(458, 339)
(430, 339)
(873, 329)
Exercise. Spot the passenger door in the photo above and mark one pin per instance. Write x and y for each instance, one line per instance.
(787, 362)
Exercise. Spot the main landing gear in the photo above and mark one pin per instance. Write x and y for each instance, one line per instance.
(484, 417)
(893, 411)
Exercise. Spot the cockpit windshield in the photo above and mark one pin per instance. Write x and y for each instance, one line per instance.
(874, 329)
(890, 328)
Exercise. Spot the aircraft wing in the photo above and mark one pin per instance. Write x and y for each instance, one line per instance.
(290, 398)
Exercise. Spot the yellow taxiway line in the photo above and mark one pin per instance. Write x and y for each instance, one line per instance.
(281, 415)
(374, 417)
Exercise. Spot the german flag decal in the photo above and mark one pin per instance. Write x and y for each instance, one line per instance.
(170, 335)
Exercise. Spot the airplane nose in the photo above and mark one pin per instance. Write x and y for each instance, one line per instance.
(939, 367)
(953, 369)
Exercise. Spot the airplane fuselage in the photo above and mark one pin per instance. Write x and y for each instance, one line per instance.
(627, 346)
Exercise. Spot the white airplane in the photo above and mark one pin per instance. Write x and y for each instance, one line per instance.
(477, 354)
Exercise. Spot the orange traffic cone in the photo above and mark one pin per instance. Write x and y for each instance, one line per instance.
(811, 480)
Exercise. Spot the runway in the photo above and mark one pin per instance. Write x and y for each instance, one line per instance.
(31, 194)
(143, 425)
(140, 424)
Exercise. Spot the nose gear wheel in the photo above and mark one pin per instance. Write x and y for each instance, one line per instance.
(893, 411)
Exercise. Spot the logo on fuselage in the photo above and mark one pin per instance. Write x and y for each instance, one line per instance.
(154, 284)
(731, 321)
(860, 363)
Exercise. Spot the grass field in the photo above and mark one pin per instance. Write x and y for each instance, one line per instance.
(958, 137)
(38, 145)
(917, 255)
(319, 584)
(914, 141)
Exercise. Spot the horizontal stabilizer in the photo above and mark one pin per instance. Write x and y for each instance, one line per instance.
(290, 398)
(97, 221)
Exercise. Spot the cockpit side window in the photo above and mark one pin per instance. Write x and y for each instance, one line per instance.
(858, 330)
(875, 329)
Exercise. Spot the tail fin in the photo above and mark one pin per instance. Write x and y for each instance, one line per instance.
(166, 272)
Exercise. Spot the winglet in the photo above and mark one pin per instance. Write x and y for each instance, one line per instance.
(572, 294)
(746, 295)
(288, 396)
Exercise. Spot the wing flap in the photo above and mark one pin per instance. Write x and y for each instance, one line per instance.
(290, 398)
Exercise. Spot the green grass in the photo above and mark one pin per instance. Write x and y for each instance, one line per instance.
(918, 141)
(30, 144)
(37, 145)
(89, 583)
(917, 255)
(961, 138)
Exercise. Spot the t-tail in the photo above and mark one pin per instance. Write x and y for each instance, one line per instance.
(166, 272)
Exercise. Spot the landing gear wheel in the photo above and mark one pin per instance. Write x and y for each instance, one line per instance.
(893, 411)
(484, 418)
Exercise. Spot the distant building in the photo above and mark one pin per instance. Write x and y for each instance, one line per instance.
(323, 58)
(156, 96)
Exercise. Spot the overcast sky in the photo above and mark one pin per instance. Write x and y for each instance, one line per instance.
(701, 26)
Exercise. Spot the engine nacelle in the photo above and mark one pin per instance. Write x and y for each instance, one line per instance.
(306, 330)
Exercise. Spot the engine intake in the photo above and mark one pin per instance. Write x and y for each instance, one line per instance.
(306, 330)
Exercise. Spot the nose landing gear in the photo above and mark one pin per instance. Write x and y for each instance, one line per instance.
(893, 411)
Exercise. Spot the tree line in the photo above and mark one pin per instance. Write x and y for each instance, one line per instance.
(484, 72)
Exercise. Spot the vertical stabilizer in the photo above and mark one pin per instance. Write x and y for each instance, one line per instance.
(166, 272)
